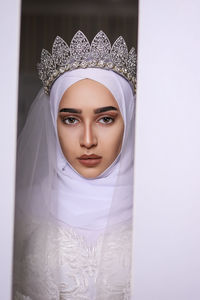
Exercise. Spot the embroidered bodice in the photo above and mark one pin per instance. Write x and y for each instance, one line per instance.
(60, 264)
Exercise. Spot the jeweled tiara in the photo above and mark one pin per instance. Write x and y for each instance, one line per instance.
(81, 54)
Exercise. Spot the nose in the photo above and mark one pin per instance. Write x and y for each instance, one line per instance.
(88, 138)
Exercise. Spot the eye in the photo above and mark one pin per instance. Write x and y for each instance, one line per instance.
(70, 121)
(106, 120)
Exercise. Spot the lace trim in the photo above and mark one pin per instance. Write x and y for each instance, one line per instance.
(58, 264)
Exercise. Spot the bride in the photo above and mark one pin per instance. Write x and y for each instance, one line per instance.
(73, 223)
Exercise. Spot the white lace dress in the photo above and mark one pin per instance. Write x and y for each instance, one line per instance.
(66, 267)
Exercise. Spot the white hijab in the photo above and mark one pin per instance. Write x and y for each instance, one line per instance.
(87, 203)
(51, 196)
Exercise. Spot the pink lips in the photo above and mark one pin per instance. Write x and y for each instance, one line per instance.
(90, 160)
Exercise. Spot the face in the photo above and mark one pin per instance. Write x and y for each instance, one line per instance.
(90, 127)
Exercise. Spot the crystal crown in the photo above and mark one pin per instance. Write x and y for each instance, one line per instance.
(80, 54)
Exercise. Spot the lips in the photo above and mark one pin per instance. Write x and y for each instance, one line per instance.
(90, 160)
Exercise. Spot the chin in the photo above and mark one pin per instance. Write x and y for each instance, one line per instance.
(90, 173)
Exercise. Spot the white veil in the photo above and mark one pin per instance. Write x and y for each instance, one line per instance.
(72, 235)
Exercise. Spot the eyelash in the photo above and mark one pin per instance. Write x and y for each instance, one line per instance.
(75, 120)
(68, 118)
(111, 120)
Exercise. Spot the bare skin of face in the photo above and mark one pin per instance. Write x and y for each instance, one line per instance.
(90, 127)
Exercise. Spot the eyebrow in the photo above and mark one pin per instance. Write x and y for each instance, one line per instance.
(96, 111)
(104, 109)
(71, 110)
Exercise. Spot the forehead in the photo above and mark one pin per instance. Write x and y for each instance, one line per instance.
(87, 93)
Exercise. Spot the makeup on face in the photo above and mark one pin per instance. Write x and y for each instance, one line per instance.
(110, 113)
(96, 111)
(91, 160)
(90, 127)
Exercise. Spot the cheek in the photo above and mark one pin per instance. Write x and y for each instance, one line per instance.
(117, 141)
(68, 141)
(119, 136)
(111, 140)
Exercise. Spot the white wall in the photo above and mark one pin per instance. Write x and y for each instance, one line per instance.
(9, 54)
(167, 169)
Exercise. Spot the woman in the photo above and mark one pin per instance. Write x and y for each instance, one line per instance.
(74, 177)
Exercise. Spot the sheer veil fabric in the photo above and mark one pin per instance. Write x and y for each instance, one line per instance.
(73, 235)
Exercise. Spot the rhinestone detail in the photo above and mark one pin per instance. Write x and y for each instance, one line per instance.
(119, 52)
(79, 47)
(60, 52)
(81, 55)
(100, 47)
(132, 62)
